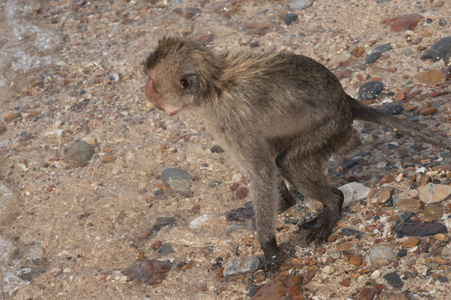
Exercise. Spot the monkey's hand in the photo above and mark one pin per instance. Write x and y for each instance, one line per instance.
(321, 226)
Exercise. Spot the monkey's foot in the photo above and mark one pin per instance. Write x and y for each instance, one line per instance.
(321, 226)
(272, 264)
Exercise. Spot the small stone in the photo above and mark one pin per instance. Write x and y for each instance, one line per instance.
(165, 250)
(428, 110)
(260, 27)
(439, 49)
(353, 192)
(370, 90)
(415, 228)
(280, 287)
(358, 52)
(78, 154)
(393, 108)
(191, 12)
(199, 221)
(242, 192)
(346, 282)
(434, 193)
(216, 149)
(367, 293)
(393, 279)
(356, 260)
(441, 237)
(384, 195)
(242, 213)
(290, 18)
(151, 272)
(335, 255)
(387, 179)
(411, 242)
(55, 272)
(328, 270)
(381, 254)
(376, 274)
(373, 57)
(440, 260)
(241, 264)
(432, 212)
(405, 22)
(300, 4)
(409, 205)
(431, 76)
(425, 180)
(352, 232)
(401, 253)
(177, 178)
(383, 47)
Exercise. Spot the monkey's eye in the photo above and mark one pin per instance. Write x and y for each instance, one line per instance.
(184, 83)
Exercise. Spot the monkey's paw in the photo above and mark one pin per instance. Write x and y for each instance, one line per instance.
(321, 226)
(272, 264)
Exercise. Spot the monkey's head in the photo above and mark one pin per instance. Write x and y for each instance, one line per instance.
(181, 73)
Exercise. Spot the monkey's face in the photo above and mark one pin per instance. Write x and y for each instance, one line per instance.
(167, 94)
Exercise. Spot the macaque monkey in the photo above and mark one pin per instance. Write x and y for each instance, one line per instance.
(279, 115)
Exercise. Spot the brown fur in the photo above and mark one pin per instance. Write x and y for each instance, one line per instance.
(261, 106)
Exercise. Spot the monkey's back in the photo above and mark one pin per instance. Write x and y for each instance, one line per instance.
(291, 91)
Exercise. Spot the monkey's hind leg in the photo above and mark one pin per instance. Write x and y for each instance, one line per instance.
(301, 163)
(286, 199)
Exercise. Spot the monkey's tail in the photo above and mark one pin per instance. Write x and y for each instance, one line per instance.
(369, 114)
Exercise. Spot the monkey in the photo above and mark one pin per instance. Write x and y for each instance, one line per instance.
(279, 115)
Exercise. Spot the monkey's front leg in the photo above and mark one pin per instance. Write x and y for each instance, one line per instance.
(265, 196)
(262, 171)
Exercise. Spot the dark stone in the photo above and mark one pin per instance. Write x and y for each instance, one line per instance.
(290, 18)
(442, 22)
(252, 289)
(161, 222)
(373, 57)
(79, 153)
(402, 253)
(166, 249)
(416, 228)
(158, 192)
(218, 263)
(392, 146)
(148, 271)
(393, 108)
(352, 232)
(214, 184)
(370, 90)
(439, 49)
(242, 213)
(405, 216)
(351, 163)
(383, 47)
(254, 45)
(216, 149)
(393, 279)
(191, 12)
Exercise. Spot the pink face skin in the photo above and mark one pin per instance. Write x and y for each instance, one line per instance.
(153, 96)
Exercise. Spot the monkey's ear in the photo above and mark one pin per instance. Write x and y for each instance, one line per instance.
(188, 83)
